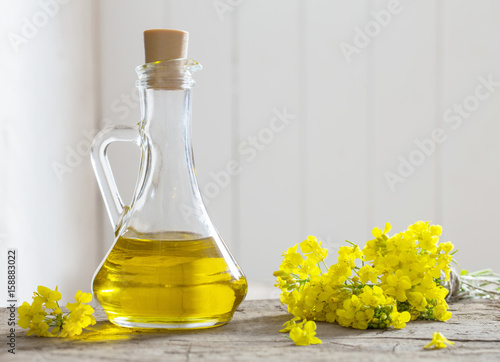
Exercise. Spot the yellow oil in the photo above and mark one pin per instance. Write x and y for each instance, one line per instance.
(169, 280)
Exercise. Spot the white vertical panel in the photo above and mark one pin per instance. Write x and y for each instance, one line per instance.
(401, 81)
(211, 44)
(268, 71)
(471, 157)
(122, 50)
(335, 166)
(51, 102)
(123, 23)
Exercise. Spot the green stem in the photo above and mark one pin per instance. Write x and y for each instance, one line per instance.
(481, 272)
(326, 266)
(480, 280)
(481, 289)
(351, 243)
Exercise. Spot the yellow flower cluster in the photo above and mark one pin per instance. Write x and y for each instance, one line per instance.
(42, 323)
(387, 283)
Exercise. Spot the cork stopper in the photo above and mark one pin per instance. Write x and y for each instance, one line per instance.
(165, 44)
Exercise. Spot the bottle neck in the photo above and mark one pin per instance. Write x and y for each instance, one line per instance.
(166, 122)
(167, 189)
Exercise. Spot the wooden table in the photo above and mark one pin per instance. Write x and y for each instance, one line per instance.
(253, 334)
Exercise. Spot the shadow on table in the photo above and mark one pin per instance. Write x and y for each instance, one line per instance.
(106, 331)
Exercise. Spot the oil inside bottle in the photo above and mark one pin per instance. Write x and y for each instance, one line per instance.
(169, 280)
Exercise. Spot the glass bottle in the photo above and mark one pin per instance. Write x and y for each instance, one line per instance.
(168, 266)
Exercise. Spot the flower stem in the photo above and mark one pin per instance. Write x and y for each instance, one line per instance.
(479, 288)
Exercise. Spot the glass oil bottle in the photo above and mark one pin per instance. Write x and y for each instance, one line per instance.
(168, 266)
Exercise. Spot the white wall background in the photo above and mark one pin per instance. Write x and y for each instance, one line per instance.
(355, 119)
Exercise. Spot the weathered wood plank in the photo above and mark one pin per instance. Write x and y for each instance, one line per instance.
(253, 334)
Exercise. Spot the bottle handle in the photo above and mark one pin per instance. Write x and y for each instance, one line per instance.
(102, 168)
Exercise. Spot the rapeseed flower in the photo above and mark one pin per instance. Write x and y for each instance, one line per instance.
(392, 280)
(305, 335)
(438, 341)
(42, 323)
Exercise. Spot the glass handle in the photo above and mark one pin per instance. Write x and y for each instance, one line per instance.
(102, 168)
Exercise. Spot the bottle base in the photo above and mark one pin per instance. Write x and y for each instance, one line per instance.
(153, 323)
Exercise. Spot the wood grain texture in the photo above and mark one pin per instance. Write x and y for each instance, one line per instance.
(471, 154)
(324, 173)
(401, 82)
(321, 175)
(335, 128)
(253, 335)
(269, 181)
